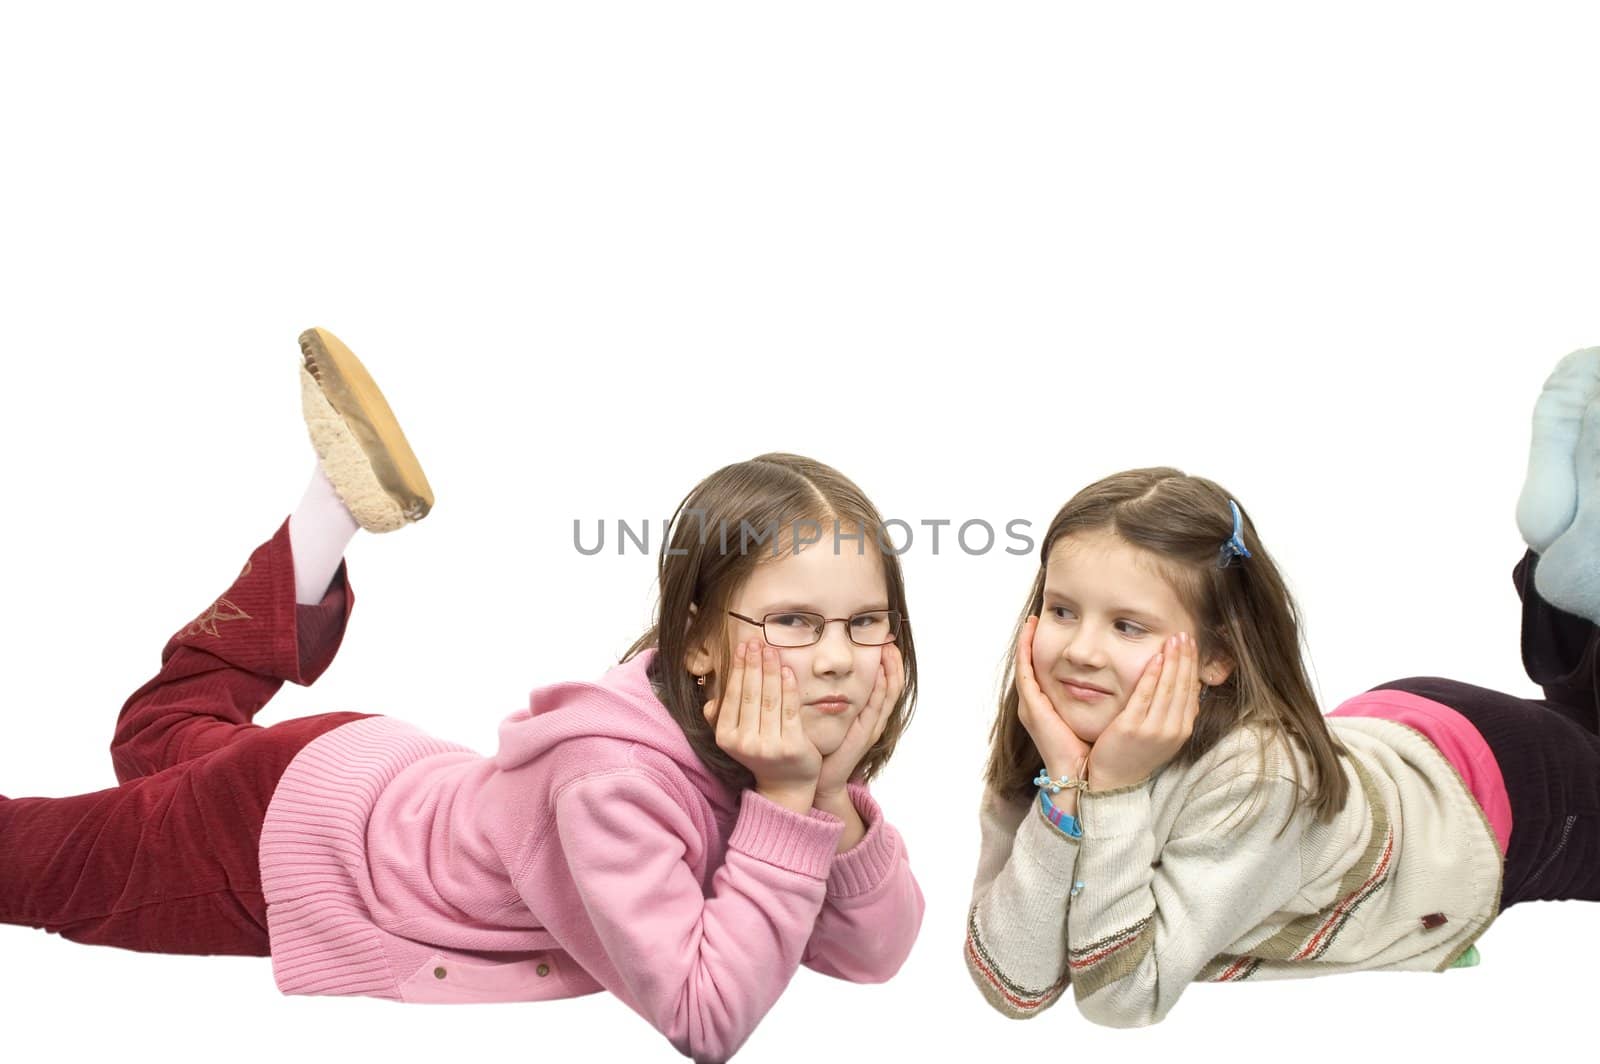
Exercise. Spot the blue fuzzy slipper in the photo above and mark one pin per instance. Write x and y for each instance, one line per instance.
(1568, 574)
(1549, 498)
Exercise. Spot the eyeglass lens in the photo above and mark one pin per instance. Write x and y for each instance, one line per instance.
(803, 629)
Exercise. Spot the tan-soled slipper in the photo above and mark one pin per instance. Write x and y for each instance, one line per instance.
(357, 438)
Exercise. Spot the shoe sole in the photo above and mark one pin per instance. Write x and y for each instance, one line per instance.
(357, 438)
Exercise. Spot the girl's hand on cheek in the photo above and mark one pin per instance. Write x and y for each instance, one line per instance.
(867, 728)
(1156, 722)
(758, 723)
(1058, 744)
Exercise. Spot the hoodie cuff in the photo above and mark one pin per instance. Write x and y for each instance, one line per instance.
(865, 865)
(799, 842)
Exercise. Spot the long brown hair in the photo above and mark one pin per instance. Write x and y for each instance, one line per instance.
(1245, 614)
(705, 559)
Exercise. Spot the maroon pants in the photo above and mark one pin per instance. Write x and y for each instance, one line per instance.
(167, 862)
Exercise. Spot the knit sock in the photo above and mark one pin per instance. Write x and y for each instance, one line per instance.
(319, 531)
(1549, 497)
(1568, 574)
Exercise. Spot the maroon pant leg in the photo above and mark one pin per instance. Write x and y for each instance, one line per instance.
(167, 861)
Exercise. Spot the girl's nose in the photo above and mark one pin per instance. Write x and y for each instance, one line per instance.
(834, 651)
(1085, 647)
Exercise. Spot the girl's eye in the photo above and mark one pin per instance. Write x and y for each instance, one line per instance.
(1061, 613)
(1130, 628)
(790, 620)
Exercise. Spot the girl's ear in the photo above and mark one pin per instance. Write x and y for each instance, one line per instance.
(1215, 672)
(698, 659)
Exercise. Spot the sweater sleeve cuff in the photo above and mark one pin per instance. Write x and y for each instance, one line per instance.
(1110, 814)
(1047, 845)
(799, 842)
(868, 863)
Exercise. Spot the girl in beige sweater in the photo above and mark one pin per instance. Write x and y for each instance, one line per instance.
(1166, 803)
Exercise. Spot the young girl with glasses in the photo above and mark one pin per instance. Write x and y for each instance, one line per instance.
(1166, 803)
(683, 832)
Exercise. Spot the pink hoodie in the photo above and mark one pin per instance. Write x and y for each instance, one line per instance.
(593, 851)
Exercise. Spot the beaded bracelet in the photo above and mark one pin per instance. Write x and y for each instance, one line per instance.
(1044, 782)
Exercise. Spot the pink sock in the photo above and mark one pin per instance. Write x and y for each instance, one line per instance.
(319, 531)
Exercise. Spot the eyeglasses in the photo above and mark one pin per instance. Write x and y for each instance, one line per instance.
(792, 629)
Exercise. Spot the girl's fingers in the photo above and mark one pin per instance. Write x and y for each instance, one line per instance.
(1027, 683)
(1025, 650)
(1022, 670)
(790, 711)
(894, 667)
(885, 706)
(1182, 691)
(731, 695)
(880, 687)
(771, 696)
(873, 711)
(1138, 707)
(1160, 705)
(859, 736)
(895, 678)
(750, 693)
(1191, 690)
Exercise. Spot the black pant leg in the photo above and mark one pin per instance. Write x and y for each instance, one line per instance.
(1560, 651)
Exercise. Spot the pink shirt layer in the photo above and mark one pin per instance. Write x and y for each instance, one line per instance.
(593, 851)
(1461, 743)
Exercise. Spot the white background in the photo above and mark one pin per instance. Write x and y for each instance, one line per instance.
(975, 256)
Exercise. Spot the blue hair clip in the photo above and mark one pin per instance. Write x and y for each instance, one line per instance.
(1234, 547)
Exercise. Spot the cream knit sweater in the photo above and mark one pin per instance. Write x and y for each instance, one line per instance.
(1183, 877)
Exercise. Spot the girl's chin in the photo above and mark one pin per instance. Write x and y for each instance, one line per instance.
(826, 733)
(1088, 731)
